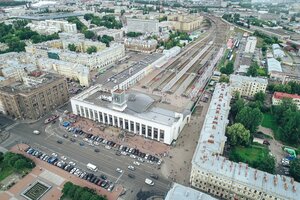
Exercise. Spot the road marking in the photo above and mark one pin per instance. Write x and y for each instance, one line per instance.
(119, 177)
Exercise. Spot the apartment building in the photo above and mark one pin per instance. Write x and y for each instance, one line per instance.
(117, 34)
(278, 96)
(250, 45)
(216, 175)
(185, 23)
(142, 25)
(247, 86)
(135, 112)
(35, 96)
(140, 45)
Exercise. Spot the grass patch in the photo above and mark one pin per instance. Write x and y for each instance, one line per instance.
(5, 172)
(260, 42)
(270, 122)
(248, 154)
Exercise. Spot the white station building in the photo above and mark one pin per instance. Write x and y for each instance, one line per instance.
(135, 112)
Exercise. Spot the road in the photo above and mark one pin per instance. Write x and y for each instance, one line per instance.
(105, 160)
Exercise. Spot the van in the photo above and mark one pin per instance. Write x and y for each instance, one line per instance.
(36, 132)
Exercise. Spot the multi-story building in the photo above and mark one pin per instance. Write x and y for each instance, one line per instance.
(247, 86)
(140, 45)
(278, 96)
(136, 112)
(277, 52)
(142, 25)
(180, 192)
(37, 95)
(100, 59)
(215, 174)
(117, 34)
(185, 23)
(273, 66)
(52, 26)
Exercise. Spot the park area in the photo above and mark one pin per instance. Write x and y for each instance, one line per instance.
(270, 122)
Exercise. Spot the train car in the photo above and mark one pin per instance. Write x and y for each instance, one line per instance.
(237, 44)
(229, 54)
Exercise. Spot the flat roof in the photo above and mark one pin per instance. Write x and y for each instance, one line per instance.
(49, 16)
(273, 65)
(140, 105)
(180, 192)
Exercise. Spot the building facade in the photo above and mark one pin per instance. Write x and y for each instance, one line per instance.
(247, 86)
(48, 27)
(216, 175)
(35, 97)
(139, 45)
(134, 112)
(278, 96)
(142, 25)
(185, 23)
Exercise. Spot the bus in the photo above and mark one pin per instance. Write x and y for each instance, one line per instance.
(92, 167)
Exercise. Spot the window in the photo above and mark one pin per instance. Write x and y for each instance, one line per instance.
(162, 134)
(131, 126)
(126, 124)
(110, 119)
(155, 131)
(100, 116)
(149, 131)
(137, 127)
(143, 129)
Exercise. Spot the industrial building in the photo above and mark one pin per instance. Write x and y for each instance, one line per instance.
(273, 65)
(277, 51)
(36, 95)
(247, 86)
(250, 45)
(216, 175)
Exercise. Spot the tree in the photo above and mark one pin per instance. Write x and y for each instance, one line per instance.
(91, 49)
(250, 118)
(265, 163)
(238, 134)
(238, 105)
(89, 34)
(260, 96)
(252, 70)
(228, 69)
(224, 79)
(20, 164)
(291, 127)
(294, 169)
(88, 16)
(72, 47)
(133, 34)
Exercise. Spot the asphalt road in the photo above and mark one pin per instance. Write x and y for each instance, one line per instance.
(105, 160)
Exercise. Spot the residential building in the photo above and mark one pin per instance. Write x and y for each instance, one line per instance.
(142, 25)
(48, 27)
(140, 45)
(180, 192)
(284, 77)
(135, 112)
(273, 65)
(250, 45)
(185, 23)
(247, 86)
(216, 175)
(35, 96)
(101, 59)
(278, 96)
(70, 70)
(209, 3)
(277, 52)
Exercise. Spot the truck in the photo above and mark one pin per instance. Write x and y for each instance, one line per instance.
(149, 181)
(92, 167)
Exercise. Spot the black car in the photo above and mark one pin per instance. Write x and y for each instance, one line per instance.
(97, 150)
(93, 179)
(96, 180)
(118, 153)
(72, 140)
(100, 140)
(131, 175)
(155, 176)
(59, 141)
(103, 177)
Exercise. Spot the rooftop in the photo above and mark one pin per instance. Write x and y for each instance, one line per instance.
(273, 65)
(238, 80)
(281, 95)
(140, 105)
(180, 192)
(211, 144)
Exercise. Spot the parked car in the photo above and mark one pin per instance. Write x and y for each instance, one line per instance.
(155, 176)
(266, 142)
(131, 175)
(119, 170)
(59, 141)
(131, 167)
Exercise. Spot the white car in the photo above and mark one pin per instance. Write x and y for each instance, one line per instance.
(132, 156)
(63, 158)
(141, 159)
(136, 163)
(108, 147)
(96, 143)
(72, 163)
(54, 154)
(85, 139)
(131, 167)
(124, 153)
(119, 170)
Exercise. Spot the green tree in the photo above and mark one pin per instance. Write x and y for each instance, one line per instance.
(237, 106)
(294, 169)
(250, 118)
(260, 96)
(133, 34)
(238, 134)
(91, 49)
(20, 164)
(88, 16)
(86, 195)
(291, 127)
(89, 34)
(224, 79)
(252, 70)
(72, 47)
(228, 69)
(265, 163)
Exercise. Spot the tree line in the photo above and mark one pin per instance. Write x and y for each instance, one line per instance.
(16, 161)
(75, 192)
(108, 21)
(291, 87)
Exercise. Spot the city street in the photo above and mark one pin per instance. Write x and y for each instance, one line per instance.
(105, 160)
